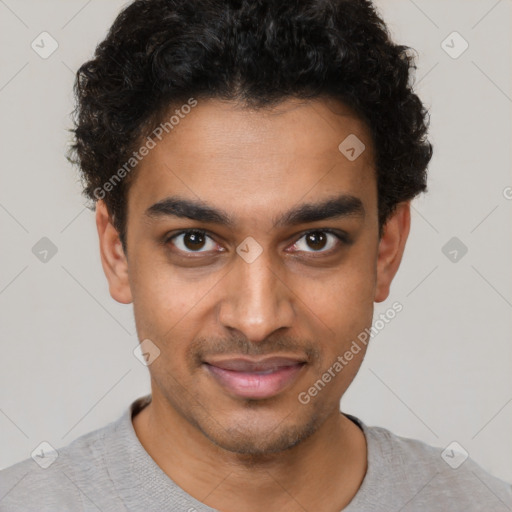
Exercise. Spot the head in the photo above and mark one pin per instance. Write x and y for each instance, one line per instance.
(251, 165)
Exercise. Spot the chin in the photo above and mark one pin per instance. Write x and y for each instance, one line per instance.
(257, 439)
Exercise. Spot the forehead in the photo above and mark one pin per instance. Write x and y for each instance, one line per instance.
(254, 161)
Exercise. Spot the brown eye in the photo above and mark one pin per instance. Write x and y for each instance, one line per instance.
(193, 241)
(316, 240)
(320, 240)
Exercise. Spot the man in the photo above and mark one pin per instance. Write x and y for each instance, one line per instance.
(252, 165)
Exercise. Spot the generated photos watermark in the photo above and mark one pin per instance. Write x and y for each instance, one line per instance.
(343, 360)
(149, 144)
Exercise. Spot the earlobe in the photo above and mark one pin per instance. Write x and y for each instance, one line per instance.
(113, 258)
(391, 249)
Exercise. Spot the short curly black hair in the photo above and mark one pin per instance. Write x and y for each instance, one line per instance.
(159, 53)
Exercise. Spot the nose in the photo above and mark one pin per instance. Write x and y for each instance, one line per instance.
(256, 301)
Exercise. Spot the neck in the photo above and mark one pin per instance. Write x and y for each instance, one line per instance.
(322, 473)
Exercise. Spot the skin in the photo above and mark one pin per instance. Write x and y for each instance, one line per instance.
(294, 300)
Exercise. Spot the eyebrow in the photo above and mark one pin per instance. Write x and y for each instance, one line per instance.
(341, 206)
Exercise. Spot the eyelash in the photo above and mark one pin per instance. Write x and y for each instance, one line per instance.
(343, 238)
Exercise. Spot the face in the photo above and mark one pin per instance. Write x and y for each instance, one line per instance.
(253, 262)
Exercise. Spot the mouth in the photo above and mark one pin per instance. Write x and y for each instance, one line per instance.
(255, 378)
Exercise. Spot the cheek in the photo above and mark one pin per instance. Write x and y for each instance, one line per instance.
(343, 298)
(157, 303)
(166, 302)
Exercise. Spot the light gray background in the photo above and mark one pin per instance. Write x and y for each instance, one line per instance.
(440, 371)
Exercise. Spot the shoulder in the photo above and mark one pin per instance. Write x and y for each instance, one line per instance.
(57, 480)
(427, 476)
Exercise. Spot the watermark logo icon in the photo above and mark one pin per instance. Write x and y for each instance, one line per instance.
(44, 454)
(44, 45)
(44, 250)
(454, 249)
(352, 147)
(454, 45)
(249, 249)
(146, 352)
(454, 455)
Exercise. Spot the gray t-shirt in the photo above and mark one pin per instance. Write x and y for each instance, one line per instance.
(108, 470)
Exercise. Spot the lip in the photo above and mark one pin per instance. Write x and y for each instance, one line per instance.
(255, 378)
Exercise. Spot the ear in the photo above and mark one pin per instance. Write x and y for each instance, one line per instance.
(391, 249)
(113, 259)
